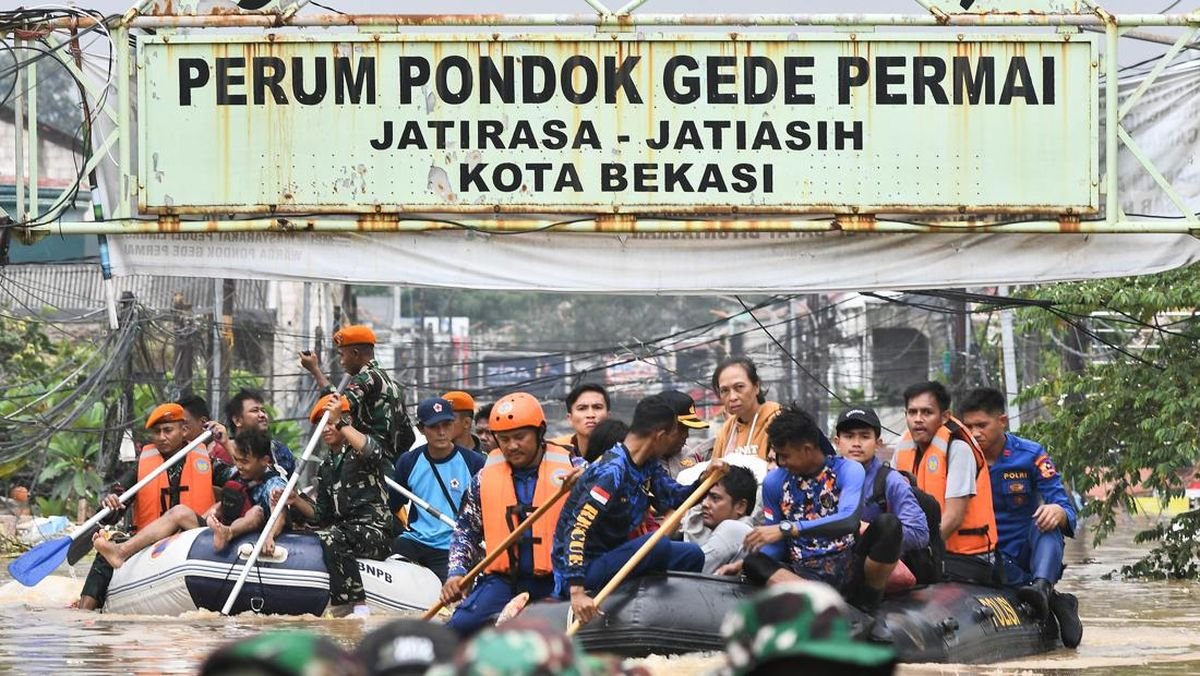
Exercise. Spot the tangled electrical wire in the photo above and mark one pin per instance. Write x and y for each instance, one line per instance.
(33, 45)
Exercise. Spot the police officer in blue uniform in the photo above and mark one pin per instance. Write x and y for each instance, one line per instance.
(1033, 511)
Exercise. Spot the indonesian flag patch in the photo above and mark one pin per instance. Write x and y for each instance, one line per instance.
(600, 495)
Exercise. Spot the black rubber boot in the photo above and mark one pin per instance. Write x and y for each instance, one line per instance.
(1066, 610)
(877, 630)
(1037, 595)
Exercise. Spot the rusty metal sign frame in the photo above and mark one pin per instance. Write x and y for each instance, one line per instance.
(1092, 17)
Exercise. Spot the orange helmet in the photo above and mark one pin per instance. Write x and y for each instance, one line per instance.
(516, 410)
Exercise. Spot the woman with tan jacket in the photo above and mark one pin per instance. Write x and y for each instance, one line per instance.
(736, 382)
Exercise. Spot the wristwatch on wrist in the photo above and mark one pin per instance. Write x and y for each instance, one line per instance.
(787, 528)
(342, 422)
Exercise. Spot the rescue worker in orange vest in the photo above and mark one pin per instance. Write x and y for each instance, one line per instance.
(949, 465)
(185, 491)
(519, 476)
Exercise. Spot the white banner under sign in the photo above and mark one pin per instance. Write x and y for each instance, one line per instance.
(699, 263)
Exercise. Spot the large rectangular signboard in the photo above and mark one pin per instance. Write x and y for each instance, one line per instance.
(604, 124)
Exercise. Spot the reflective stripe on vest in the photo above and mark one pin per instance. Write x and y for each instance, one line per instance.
(502, 512)
(195, 486)
(977, 533)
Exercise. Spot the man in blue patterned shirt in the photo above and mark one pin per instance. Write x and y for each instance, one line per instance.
(811, 508)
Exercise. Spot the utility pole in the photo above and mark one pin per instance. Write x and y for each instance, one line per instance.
(959, 345)
(1008, 348)
(228, 294)
(185, 332)
(214, 363)
(122, 408)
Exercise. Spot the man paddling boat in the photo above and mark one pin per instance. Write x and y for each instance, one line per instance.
(607, 505)
(189, 483)
(521, 475)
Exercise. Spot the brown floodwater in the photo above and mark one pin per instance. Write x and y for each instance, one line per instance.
(1129, 628)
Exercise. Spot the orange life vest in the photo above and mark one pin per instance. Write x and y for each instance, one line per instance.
(195, 486)
(566, 442)
(977, 533)
(502, 512)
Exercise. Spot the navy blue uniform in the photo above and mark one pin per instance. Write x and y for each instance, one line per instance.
(1024, 477)
(607, 504)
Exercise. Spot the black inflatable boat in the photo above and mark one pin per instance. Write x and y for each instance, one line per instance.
(682, 612)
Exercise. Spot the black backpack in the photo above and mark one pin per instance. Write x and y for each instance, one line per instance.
(925, 563)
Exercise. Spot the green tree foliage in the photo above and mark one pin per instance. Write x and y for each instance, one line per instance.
(1130, 420)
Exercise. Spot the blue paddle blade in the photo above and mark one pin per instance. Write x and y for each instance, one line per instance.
(34, 565)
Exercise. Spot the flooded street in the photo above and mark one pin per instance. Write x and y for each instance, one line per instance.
(1130, 628)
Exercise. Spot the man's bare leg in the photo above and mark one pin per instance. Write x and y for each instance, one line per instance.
(179, 517)
(247, 523)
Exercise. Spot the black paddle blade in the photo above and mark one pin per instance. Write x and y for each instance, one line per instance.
(81, 545)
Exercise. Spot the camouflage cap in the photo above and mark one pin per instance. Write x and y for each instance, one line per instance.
(285, 653)
(528, 647)
(803, 619)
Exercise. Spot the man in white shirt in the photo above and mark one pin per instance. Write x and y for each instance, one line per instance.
(722, 521)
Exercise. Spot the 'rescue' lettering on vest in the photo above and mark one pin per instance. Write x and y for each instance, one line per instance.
(502, 512)
(195, 486)
(977, 534)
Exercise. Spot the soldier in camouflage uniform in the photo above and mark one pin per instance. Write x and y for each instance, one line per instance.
(350, 510)
(374, 397)
(799, 628)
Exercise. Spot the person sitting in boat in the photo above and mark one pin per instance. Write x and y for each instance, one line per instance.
(521, 475)
(722, 521)
(188, 483)
(1033, 511)
(196, 419)
(950, 466)
(607, 434)
(592, 540)
(350, 509)
(587, 406)
(811, 507)
(464, 412)
(736, 382)
(439, 472)
(487, 443)
(251, 452)
(248, 409)
(893, 523)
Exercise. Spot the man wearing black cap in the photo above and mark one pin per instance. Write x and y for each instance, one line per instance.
(406, 647)
(439, 472)
(896, 523)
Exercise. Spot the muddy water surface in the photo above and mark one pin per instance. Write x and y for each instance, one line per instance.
(1130, 628)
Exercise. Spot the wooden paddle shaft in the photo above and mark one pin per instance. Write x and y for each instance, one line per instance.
(665, 529)
(503, 547)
